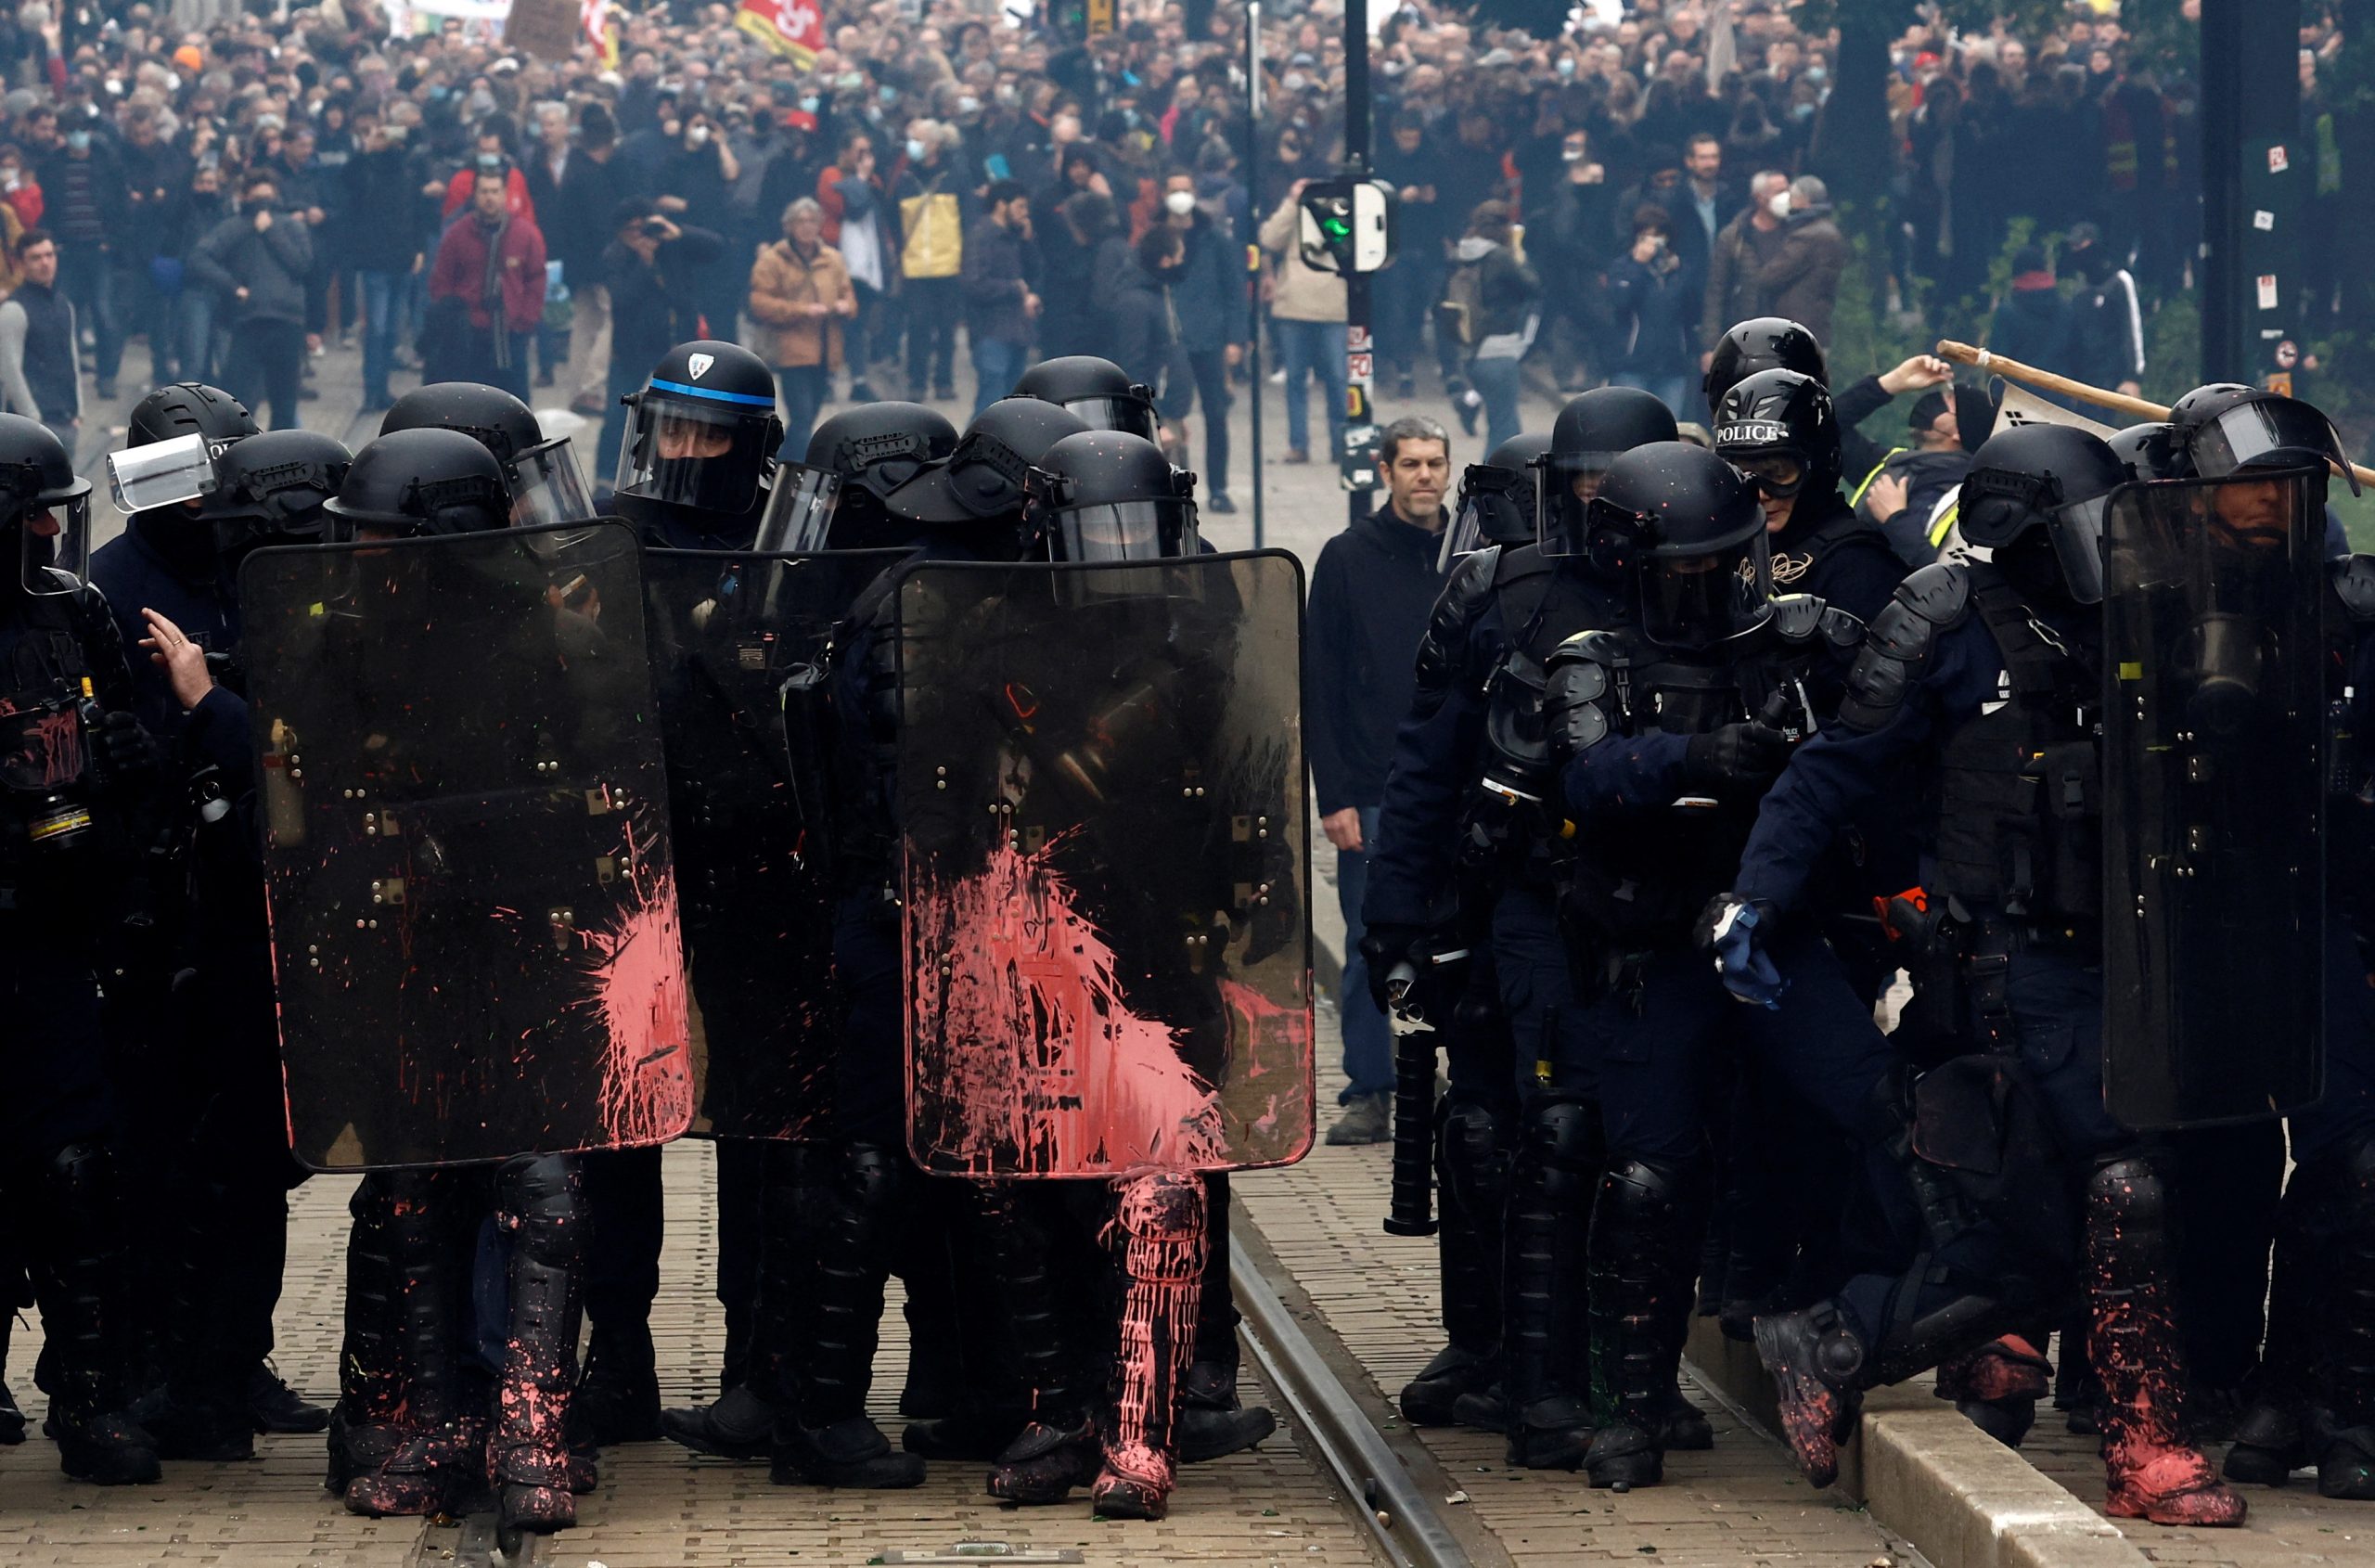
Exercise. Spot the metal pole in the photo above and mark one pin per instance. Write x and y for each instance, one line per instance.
(1254, 247)
(1357, 461)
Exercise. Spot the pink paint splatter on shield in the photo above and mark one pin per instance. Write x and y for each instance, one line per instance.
(639, 984)
(1027, 1056)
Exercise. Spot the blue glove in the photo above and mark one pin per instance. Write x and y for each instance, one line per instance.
(1728, 928)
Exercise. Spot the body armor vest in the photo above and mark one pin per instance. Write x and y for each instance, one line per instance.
(2019, 805)
(47, 811)
(1515, 824)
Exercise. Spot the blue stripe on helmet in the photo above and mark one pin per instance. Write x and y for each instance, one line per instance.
(745, 399)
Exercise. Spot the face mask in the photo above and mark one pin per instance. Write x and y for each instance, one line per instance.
(1571, 154)
(888, 95)
(915, 149)
(1181, 202)
(1801, 111)
(810, 103)
(1566, 65)
(698, 135)
(1294, 82)
(1816, 75)
(1008, 96)
(969, 106)
(848, 81)
(1778, 204)
(481, 103)
(78, 140)
(1392, 68)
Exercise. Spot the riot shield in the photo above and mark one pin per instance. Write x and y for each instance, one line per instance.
(2214, 801)
(738, 644)
(1106, 878)
(467, 854)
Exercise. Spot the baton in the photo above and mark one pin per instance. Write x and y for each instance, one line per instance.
(2046, 380)
(1409, 1207)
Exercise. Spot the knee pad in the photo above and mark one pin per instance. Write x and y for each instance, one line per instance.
(538, 1198)
(1159, 1222)
(2128, 1194)
(1637, 1191)
(1564, 1140)
(1470, 1159)
(80, 1174)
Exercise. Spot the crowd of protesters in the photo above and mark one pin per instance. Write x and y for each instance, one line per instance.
(955, 184)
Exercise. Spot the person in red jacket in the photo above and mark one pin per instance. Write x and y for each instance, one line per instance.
(486, 294)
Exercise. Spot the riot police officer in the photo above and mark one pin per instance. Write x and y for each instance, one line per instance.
(1098, 391)
(543, 475)
(73, 761)
(698, 458)
(1465, 817)
(233, 1168)
(1773, 342)
(412, 1437)
(1495, 505)
(1781, 427)
(1667, 730)
(966, 507)
(1985, 673)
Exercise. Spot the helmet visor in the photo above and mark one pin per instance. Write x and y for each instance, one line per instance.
(54, 550)
(2077, 533)
(547, 488)
(1697, 601)
(1496, 506)
(1122, 531)
(1778, 474)
(800, 510)
(2267, 432)
(1133, 413)
(1565, 486)
(682, 453)
(162, 474)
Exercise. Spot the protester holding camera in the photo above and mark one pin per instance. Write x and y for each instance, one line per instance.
(651, 268)
(1654, 299)
(385, 255)
(258, 262)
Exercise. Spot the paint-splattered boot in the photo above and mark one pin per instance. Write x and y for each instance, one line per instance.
(1160, 1239)
(528, 1458)
(2152, 1471)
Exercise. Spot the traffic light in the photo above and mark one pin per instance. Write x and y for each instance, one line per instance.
(1347, 225)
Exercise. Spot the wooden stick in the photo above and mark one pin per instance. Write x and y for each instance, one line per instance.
(2046, 380)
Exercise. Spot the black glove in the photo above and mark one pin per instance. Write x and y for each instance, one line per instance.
(123, 746)
(1384, 947)
(1748, 755)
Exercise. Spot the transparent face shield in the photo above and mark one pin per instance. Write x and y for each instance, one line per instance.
(1133, 413)
(681, 453)
(2077, 533)
(1496, 506)
(800, 510)
(547, 488)
(1122, 531)
(1562, 503)
(164, 473)
(2271, 433)
(54, 545)
(1694, 602)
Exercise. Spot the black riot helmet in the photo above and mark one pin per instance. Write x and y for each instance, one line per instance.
(2150, 451)
(2036, 485)
(1497, 499)
(543, 475)
(1098, 389)
(271, 489)
(1761, 342)
(46, 505)
(1590, 433)
(1779, 426)
(171, 441)
(835, 500)
(982, 480)
(702, 434)
(189, 408)
(2224, 428)
(425, 482)
(1110, 495)
(1700, 549)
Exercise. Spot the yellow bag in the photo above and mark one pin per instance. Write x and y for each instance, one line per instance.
(935, 245)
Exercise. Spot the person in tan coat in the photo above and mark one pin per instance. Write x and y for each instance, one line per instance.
(800, 289)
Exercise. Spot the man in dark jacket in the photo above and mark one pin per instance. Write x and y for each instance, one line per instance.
(378, 182)
(2031, 322)
(1139, 323)
(1000, 266)
(88, 209)
(2106, 325)
(156, 176)
(258, 262)
(1208, 317)
(591, 186)
(1371, 592)
(651, 267)
(1802, 281)
(1742, 251)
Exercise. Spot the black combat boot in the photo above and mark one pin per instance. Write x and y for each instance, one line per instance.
(81, 1285)
(741, 1424)
(539, 1208)
(1473, 1173)
(1160, 1237)
(1213, 1421)
(364, 1424)
(1545, 1347)
(1645, 1234)
(436, 1466)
